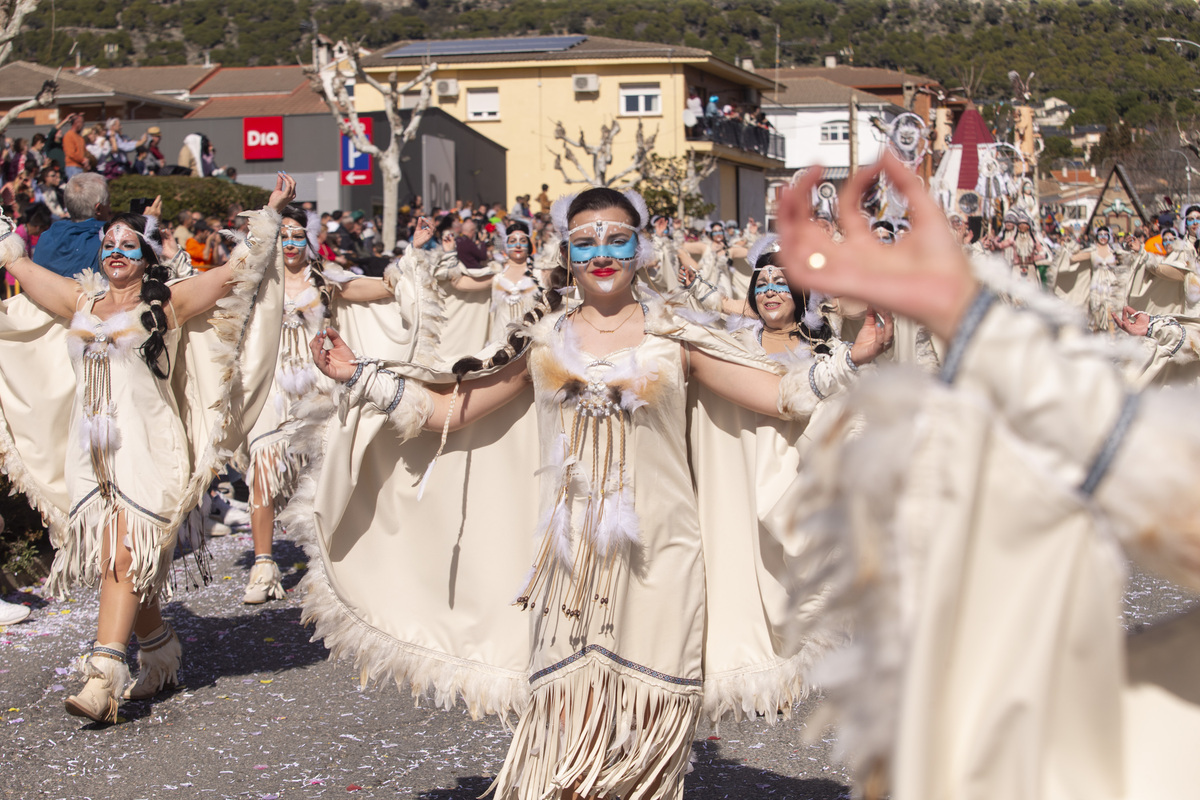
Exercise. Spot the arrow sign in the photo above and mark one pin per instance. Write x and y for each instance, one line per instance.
(357, 167)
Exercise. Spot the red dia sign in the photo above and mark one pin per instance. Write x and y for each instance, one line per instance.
(262, 138)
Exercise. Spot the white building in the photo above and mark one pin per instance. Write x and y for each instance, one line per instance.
(813, 116)
(1053, 112)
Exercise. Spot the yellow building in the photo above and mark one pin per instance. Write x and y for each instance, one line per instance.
(515, 91)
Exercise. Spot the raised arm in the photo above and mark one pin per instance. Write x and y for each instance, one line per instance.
(755, 389)
(56, 293)
(204, 290)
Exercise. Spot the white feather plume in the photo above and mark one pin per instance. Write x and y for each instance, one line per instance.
(99, 430)
(312, 230)
(558, 213)
(151, 225)
(639, 203)
(296, 380)
(1191, 287)
(618, 527)
(764, 244)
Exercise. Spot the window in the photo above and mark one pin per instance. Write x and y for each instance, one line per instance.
(641, 100)
(835, 132)
(483, 104)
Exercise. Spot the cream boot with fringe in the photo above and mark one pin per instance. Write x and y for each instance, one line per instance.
(158, 663)
(265, 582)
(107, 675)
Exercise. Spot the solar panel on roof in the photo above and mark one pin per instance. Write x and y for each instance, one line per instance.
(476, 47)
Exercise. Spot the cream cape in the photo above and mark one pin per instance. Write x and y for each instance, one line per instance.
(742, 464)
(170, 439)
(1155, 293)
(428, 603)
(982, 573)
(511, 301)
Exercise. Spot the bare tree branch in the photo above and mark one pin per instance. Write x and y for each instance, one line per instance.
(330, 83)
(601, 154)
(11, 18)
(44, 99)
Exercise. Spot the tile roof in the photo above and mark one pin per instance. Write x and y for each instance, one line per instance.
(861, 77)
(155, 80)
(301, 101)
(21, 80)
(816, 92)
(594, 47)
(248, 81)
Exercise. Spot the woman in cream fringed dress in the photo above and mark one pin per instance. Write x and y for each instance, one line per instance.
(982, 566)
(310, 287)
(142, 435)
(745, 463)
(514, 289)
(614, 648)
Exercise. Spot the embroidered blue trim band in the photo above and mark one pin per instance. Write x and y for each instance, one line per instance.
(971, 321)
(624, 662)
(1112, 443)
(358, 371)
(124, 497)
(399, 392)
(812, 381)
(109, 652)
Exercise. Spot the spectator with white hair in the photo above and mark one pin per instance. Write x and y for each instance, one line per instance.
(72, 245)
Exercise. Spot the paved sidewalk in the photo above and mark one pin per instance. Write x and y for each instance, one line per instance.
(264, 715)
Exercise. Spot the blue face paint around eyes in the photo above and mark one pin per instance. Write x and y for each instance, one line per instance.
(777, 288)
(132, 255)
(625, 251)
(286, 240)
(518, 246)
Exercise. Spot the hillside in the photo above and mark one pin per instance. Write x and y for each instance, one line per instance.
(1102, 57)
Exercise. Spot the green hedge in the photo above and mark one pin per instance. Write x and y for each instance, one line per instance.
(24, 535)
(209, 196)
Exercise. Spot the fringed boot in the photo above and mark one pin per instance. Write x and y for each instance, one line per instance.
(107, 676)
(159, 658)
(265, 582)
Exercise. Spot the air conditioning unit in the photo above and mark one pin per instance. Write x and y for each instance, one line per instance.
(586, 83)
(446, 87)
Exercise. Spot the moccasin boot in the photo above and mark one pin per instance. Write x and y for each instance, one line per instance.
(107, 676)
(158, 664)
(265, 582)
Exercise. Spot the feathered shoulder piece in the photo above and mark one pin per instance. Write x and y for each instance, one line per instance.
(92, 282)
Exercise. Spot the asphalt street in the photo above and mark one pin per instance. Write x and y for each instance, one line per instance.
(264, 714)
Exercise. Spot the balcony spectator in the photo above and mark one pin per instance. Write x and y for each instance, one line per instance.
(72, 245)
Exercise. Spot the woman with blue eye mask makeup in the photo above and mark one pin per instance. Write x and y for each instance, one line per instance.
(1096, 279)
(514, 289)
(610, 670)
(311, 288)
(139, 392)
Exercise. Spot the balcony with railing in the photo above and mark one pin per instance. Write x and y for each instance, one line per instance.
(735, 133)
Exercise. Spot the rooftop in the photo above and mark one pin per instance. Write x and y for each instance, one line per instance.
(549, 48)
(858, 77)
(302, 100)
(155, 80)
(817, 92)
(250, 81)
(22, 80)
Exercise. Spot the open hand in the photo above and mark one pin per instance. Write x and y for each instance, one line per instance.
(924, 276)
(338, 362)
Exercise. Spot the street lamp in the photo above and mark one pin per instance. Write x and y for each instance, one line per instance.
(1179, 43)
(1187, 171)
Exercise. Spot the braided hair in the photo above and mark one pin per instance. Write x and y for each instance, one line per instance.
(817, 337)
(300, 216)
(155, 294)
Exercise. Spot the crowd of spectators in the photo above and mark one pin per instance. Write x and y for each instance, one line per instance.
(741, 125)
